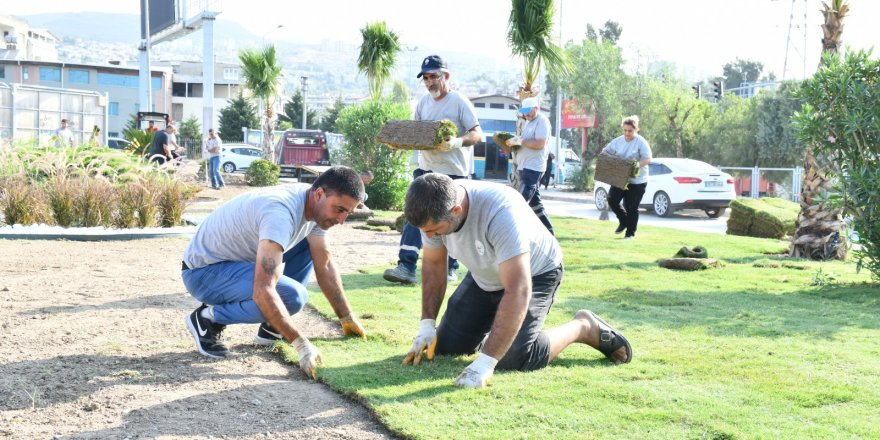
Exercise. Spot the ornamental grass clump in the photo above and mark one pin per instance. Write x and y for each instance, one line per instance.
(172, 199)
(22, 203)
(94, 205)
(62, 195)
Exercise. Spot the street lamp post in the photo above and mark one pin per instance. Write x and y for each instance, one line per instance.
(305, 80)
(411, 49)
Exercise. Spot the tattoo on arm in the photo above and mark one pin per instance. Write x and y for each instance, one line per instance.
(269, 264)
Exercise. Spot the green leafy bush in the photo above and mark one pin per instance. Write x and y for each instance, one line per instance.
(840, 121)
(581, 180)
(261, 172)
(361, 124)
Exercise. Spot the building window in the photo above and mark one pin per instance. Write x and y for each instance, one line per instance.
(50, 74)
(2, 72)
(496, 105)
(113, 109)
(130, 81)
(78, 76)
(231, 73)
(480, 104)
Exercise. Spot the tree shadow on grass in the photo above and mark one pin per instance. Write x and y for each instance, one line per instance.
(819, 313)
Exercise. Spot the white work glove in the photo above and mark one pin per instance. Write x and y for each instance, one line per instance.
(425, 342)
(309, 356)
(516, 140)
(450, 143)
(351, 326)
(477, 374)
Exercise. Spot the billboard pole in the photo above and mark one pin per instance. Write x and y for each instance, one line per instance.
(145, 83)
(207, 71)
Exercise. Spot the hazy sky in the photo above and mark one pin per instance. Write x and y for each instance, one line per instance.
(697, 35)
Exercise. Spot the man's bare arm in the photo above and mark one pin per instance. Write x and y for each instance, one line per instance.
(327, 275)
(266, 274)
(434, 261)
(517, 281)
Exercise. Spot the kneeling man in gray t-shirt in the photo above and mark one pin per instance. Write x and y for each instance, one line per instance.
(514, 270)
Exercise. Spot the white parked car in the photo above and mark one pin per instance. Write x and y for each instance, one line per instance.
(234, 157)
(681, 184)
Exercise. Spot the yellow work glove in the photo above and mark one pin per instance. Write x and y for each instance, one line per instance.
(351, 326)
(309, 356)
(450, 143)
(478, 373)
(424, 342)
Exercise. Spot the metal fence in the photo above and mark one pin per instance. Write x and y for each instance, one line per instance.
(772, 182)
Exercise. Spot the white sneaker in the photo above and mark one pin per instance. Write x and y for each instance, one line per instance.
(451, 276)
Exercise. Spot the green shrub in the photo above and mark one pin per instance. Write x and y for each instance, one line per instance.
(262, 173)
(581, 180)
(839, 121)
(360, 124)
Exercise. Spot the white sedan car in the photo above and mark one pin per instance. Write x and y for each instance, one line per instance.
(680, 184)
(235, 157)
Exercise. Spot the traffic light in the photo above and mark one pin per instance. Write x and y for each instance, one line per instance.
(718, 90)
(698, 89)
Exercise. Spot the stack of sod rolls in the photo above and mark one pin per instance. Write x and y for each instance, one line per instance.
(416, 135)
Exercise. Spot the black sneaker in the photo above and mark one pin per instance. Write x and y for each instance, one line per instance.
(267, 335)
(620, 229)
(206, 334)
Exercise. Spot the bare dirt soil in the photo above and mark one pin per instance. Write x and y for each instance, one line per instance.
(93, 345)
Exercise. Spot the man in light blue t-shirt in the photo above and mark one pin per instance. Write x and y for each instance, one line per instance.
(247, 262)
(452, 157)
(531, 158)
(514, 270)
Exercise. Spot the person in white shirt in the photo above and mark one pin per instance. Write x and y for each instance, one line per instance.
(63, 136)
(629, 146)
(213, 145)
(514, 270)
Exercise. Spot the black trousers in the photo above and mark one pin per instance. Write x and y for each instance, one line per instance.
(470, 313)
(628, 215)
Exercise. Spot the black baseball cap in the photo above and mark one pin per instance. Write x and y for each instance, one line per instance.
(432, 63)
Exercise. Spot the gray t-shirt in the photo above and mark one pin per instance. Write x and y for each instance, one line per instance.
(527, 158)
(458, 109)
(637, 149)
(500, 225)
(233, 231)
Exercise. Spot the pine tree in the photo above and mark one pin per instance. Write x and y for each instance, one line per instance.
(239, 113)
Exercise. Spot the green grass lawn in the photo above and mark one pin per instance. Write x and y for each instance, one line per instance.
(763, 347)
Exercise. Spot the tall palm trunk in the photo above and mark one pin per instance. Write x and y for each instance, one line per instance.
(818, 225)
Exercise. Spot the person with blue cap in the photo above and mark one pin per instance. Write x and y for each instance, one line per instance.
(531, 159)
(452, 157)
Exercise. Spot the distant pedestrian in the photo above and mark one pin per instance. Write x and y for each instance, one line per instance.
(548, 173)
(63, 136)
(151, 127)
(95, 139)
(213, 145)
(629, 146)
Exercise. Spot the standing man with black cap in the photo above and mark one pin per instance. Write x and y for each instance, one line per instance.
(452, 157)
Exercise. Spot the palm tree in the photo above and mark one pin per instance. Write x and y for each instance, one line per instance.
(818, 225)
(378, 55)
(261, 73)
(529, 35)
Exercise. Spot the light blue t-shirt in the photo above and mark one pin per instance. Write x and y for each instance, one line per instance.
(500, 225)
(637, 149)
(458, 109)
(233, 231)
(527, 158)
